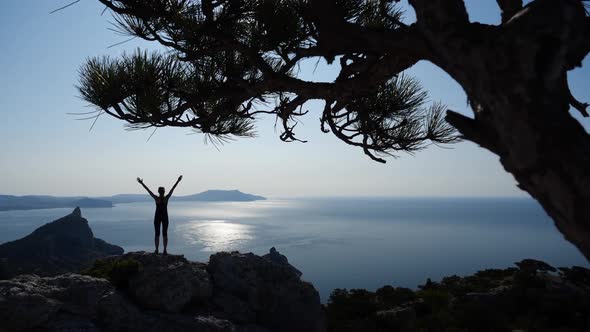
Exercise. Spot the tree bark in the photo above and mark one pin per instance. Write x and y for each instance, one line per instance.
(515, 77)
(509, 8)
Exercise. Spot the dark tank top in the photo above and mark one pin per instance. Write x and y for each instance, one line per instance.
(161, 205)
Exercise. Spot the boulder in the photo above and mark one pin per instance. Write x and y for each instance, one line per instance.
(279, 299)
(22, 306)
(234, 308)
(30, 301)
(167, 282)
(117, 313)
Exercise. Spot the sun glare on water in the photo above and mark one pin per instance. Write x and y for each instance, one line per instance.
(216, 235)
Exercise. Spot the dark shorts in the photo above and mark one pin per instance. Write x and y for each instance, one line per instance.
(161, 220)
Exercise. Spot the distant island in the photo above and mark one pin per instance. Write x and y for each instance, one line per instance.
(30, 202)
(221, 196)
(205, 196)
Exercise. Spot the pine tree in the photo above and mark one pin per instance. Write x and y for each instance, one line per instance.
(228, 60)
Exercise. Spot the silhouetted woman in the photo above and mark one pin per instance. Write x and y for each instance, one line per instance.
(161, 216)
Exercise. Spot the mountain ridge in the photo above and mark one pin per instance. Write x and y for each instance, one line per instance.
(32, 202)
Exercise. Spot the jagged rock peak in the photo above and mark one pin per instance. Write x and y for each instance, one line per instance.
(77, 212)
(276, 257)
(64, 245)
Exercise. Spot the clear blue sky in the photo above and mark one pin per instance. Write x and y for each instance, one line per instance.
(46, 151)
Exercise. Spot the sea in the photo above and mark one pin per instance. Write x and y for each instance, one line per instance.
(339, 242)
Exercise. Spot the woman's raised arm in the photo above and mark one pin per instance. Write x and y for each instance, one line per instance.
(174, 187)
(146, 188)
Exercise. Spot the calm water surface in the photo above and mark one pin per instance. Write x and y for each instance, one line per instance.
(338, 243)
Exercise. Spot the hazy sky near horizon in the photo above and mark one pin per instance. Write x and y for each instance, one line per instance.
(45, 150)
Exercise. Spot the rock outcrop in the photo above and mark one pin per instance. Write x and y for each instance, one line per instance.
(166, 282)
(276, 257)
(254, 289)
(64, 245)
(74, 302)
(141, 291)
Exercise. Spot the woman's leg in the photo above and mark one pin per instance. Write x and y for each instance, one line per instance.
(157, 232)
(165, 233)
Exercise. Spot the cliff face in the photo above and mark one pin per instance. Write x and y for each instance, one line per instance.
(64, 245)
(147, 292)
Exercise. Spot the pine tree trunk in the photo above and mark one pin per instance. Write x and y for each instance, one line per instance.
(515, 77)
